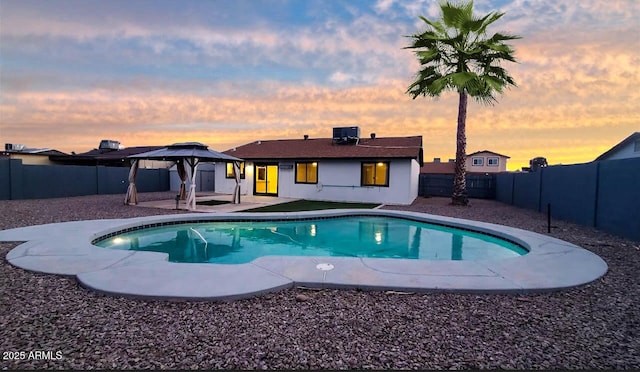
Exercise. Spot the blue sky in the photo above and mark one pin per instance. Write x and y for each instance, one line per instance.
(229, 72)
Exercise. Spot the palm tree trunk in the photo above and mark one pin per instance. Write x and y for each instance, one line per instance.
(459, 196)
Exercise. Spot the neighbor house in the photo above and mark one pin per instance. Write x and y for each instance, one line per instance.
(29, 155)
(478, 162)
(627, 148)
(486, 162)
(344, 168)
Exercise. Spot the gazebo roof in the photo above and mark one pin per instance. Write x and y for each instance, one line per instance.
(185, 150)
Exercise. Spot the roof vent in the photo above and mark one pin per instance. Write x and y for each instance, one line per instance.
(110, 145)
(373, 136)
(436, 160)
(13, 146)
(346, 135)
(306, 136)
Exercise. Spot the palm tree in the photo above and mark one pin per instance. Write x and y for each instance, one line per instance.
(456, 54)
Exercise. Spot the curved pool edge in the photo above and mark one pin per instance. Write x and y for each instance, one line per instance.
(65, 249)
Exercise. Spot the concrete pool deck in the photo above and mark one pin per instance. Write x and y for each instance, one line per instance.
(66, 249)
(248, 202)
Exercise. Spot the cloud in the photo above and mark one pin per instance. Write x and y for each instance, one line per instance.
(146, 78)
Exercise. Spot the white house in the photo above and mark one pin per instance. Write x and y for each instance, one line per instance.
(343, 168)
(627, 148)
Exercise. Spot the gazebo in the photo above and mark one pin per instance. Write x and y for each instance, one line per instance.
(191, 153)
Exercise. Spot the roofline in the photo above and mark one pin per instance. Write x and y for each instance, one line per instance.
(624, 142)
(328, 158)
(491, 152)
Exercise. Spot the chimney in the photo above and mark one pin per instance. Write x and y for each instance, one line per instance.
(436, 160)
(373, 136)
(452, 160)
(306, 137)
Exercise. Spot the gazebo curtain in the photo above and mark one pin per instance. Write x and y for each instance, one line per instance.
(182, 173)
(132, 194)
(191, 196)
(236, 190)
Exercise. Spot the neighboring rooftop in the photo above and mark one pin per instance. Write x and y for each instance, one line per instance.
(103, 156)
(437, 167)
(489, 152)
(616, 152)
(14, 148)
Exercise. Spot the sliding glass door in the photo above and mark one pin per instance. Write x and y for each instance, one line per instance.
(266, 179)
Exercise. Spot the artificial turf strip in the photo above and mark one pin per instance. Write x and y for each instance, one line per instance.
(311, 205)
(212, 202)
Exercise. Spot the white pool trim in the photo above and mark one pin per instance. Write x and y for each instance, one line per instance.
(66, 249)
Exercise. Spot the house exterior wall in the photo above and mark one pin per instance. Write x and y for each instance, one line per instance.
(226, 185)
(31, 159)
(626, 152)
(338, 180)
(485, 168)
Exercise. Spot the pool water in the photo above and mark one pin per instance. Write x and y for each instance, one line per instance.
(356, 236)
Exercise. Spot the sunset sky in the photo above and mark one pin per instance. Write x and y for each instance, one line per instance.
(226, 73)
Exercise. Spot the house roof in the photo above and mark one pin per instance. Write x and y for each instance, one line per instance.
(438, 168)
(325, 148)
(632, 138)
(490, 152)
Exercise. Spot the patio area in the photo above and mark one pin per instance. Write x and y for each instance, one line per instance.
(246, 202)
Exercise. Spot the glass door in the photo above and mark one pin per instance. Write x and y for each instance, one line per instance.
(266, 179)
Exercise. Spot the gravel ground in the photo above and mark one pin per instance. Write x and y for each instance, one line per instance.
(592, 326)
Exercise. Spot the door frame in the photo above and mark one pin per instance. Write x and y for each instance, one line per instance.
(255, 178)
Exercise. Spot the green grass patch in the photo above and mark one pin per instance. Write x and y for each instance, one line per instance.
(311, 205)
(212, 202)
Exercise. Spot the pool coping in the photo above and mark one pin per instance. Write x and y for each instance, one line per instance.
(65, 248)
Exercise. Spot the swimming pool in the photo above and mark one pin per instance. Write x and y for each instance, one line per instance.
(66, 249)
(238, 242)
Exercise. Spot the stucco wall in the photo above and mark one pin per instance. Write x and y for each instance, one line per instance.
(501, 167)
(338, 180)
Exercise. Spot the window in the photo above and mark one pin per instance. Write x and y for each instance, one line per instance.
(375, 174)
(478, 161)
(307, 172)
(231, 173)
(636, 146)
(493, 162)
